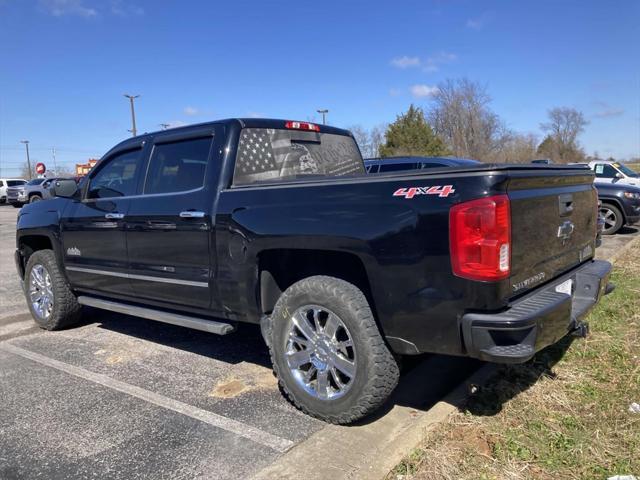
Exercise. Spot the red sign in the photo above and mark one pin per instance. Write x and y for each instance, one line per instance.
(40, 168)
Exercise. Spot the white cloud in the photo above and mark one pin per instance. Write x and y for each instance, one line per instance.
(607, 111)
(191, 111)
(59, 8)
(255, 115)
(433, 63)
(394, 92)
(124, 9)
(478, 23)
(176, 124)
(423, 91)
(405, 62)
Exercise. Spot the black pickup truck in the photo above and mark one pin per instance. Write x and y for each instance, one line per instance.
(276, 223)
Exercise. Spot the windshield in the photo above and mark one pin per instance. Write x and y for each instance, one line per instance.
(36, 181)
(15, 183)
(626, 170)
(281, 155)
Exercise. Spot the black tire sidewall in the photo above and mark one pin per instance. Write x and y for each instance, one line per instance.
(287, 305)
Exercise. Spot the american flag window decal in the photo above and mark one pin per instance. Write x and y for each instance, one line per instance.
(273, 154)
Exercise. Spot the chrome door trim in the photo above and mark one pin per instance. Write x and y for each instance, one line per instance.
(132, 276)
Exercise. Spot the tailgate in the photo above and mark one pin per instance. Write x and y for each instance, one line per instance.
(553, 225)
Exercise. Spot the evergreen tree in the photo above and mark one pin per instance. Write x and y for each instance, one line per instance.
(410, 134)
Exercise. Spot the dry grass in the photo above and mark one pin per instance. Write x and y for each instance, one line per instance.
(562, 415)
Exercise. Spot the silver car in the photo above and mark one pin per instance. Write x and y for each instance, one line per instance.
(33, 191)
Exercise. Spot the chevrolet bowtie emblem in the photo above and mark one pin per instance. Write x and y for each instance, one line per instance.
(565, 231)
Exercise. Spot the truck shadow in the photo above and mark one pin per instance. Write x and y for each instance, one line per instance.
(508, 381)
(244, 345)
(425, 380)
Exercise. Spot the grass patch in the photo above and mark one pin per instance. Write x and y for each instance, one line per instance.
(564, 414)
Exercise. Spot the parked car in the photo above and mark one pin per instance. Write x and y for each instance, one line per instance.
(396, 164)
(275, 223)
(608, 171)
(30, 192)
(620, 206)
(9, 182)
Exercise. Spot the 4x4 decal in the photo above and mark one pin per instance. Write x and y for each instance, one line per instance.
(410, 192)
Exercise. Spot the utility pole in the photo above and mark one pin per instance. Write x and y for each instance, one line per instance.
(133, 114)
(324, 113)
(164, 126)
(55, 165)
(26, 144)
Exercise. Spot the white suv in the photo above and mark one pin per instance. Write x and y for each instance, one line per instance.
(608, 171)
(9, 182)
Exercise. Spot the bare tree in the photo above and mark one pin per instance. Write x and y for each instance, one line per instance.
(460, 114)
(517, 148)
(563, 128)
(369, 141)
(24, 170)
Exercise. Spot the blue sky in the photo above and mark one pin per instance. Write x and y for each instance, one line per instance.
(65, 64)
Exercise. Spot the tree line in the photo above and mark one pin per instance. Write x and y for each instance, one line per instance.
(459, 122)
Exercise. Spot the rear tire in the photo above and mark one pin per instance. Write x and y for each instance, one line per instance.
(17, 205)
(349, 370)
(613, 219)
(49, 298)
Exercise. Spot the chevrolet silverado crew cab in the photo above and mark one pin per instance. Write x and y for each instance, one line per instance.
(276, 223)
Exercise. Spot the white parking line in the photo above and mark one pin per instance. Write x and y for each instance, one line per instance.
(259, 436)
(16, 327)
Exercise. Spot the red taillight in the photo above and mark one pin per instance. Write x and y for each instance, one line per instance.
(480, 238)
(302, 126)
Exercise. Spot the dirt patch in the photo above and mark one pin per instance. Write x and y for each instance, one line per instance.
(247, 377)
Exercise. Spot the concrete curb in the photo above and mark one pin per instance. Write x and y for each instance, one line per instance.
(623, 250)
(371, 451)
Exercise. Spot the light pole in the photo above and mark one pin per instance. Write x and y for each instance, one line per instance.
(133, 113)
(26, 144)
(324, 113)
(164, 126)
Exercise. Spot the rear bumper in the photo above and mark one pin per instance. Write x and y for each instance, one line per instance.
(537, 320)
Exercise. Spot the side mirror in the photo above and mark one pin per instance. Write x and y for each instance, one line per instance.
(619, 175)
(64, 188)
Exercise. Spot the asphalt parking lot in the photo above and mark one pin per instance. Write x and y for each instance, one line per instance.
(122, 397)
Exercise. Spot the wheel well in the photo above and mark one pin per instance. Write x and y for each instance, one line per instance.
(33, 243)
(616, 204)
(31, 194)
(279, 269)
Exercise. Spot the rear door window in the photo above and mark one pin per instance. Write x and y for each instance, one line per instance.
(398, 167)
(178, 166)
(271, 155)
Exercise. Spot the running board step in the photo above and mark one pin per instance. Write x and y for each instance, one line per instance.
(211, 326)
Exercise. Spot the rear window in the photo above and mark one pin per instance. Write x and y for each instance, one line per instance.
(268, 155)
(398, 167)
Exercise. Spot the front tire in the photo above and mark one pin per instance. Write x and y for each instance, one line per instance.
(327, 352)
(35, 198)
(52, 304)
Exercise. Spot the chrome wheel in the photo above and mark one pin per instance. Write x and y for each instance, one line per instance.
(610, 218)
(320, 353)
(41, 291)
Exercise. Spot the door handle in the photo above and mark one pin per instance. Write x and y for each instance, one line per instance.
(114, 216)
(191, 214)
(161, 225)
